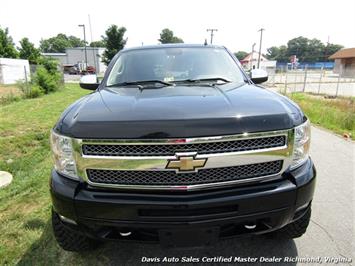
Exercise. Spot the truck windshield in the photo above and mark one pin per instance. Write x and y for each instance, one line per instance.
(173, 65)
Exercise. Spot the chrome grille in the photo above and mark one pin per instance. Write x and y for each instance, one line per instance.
(142, 163)
(171, 149)
(203, 176)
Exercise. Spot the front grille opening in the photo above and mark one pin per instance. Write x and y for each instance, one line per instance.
(113, 233)
(170, 178)
(171, 149)
(183, 212)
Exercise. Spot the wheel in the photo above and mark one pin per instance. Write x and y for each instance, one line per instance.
(295, 229)
(69, 239)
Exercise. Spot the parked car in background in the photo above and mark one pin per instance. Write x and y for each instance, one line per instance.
(79, 69)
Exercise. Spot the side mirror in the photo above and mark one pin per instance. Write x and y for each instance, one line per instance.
(258, 76)
(89, 82)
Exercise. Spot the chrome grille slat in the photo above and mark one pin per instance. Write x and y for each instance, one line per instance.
(203, 176)
(171, 149)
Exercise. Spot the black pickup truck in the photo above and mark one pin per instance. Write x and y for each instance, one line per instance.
(178, 145)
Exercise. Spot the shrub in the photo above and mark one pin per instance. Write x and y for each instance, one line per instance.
(47, 81)
(24, 88)
(50, 64)
(47, 76)
(35, 92)
(29, 90)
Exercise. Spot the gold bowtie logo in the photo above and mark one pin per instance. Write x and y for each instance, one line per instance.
(186, 163)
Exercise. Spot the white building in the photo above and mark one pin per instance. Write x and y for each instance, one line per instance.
(251, 62)
(61, 57)
(76, 55)
(13, 70)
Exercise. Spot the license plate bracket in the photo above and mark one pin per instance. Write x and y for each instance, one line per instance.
(191, 237)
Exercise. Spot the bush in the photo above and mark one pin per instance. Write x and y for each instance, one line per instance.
(29, 90)
(35, 92)
(47, 76)
(24, 87)
(50, 64)
(47, 81)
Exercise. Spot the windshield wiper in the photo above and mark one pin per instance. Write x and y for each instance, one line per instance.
(139, 83)
(206, 79)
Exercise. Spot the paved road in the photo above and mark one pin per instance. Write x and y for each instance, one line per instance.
(330, 234)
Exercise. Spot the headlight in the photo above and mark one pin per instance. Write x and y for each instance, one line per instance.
(301, 144)
(63, 155)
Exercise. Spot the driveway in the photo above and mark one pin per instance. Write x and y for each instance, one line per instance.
(330, 234)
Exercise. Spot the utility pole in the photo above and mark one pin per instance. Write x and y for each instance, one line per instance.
(212, 30)
(251, 56)
(86, 55)
(261, 40)
(326, 51)
(93, 48)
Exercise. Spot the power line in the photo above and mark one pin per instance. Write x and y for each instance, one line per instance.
(212, 30)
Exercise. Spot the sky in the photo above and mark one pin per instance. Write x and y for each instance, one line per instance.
(237, 22)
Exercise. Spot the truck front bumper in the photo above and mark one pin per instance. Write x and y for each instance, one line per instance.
(233, 211)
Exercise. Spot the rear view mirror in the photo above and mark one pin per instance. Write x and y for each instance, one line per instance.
(89, 82)
(258, 76)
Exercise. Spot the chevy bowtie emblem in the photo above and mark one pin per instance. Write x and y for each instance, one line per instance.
(185, 163)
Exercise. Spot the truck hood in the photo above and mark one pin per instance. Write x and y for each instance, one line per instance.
(179, 111)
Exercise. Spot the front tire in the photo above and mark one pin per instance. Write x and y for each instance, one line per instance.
(69, 239)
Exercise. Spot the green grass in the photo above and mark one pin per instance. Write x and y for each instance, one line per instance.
(9, 93)
(26, 237)
(336, 114)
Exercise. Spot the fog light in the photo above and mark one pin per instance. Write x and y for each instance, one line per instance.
(67, 220)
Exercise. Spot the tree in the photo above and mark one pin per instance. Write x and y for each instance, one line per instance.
(115, 42)
(298, 46)
(272, 52)
(306, 50)
(240, 55)
(58, 43)
(167, 36)
(76, 42)
(315, 51)
(278, 53)
(330, 49)
(7, 47)
(29, 51)
(97, 44)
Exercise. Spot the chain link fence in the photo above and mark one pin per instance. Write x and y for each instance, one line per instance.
(312, 81)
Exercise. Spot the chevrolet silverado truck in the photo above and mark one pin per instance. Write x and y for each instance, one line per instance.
(178, 145)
